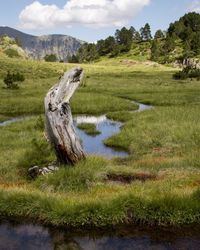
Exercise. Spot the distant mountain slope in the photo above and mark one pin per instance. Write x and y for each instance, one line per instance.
(39, 46)
(9, 47)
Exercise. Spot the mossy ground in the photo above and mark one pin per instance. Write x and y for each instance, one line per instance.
(163, 141)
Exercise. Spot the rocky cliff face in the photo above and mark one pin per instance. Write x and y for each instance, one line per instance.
(39, 46)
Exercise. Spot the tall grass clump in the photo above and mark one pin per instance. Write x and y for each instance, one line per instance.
(39, 152)
(77, 178)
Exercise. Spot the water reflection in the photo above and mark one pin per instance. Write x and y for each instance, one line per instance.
(32, 237)
(94, 144)
(142, 107)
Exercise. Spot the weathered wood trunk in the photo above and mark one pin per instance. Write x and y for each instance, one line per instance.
(59, 122)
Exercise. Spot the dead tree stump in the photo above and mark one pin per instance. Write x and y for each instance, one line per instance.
(59, 122)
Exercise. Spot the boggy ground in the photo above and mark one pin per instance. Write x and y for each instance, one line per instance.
(163, 169)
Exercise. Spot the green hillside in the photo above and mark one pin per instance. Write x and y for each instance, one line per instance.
(181, 41)
(9, 47)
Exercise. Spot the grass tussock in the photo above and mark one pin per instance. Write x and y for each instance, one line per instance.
(89, 129)
(72, 179)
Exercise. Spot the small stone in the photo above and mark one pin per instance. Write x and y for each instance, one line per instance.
(43, 173)
(46, 170)
(34, 171)
(52, 168)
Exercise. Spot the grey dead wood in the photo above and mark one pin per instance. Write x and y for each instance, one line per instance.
(58, 118)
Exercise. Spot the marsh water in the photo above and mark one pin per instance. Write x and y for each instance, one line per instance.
(95, 144)
(32, 237)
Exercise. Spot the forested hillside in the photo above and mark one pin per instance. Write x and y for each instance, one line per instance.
(180, 41)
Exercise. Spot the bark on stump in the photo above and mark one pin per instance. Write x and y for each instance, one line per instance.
(59, 122)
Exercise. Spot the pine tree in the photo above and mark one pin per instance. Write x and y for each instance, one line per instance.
(195, 43)
(155, 50)
(109, 44)
(146, 32)
(133, 31)
(135, 34)
(159, 34)
(169, 44)
(101, 47)
(124, 38)
(137, 37)
(187, 28)
(88, 53)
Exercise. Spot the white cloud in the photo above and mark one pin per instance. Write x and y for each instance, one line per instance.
(85, 12)
(195, 6)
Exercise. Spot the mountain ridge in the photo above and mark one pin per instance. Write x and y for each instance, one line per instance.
(37, 47)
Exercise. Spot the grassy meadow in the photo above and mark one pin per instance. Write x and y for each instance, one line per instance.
(163, 145)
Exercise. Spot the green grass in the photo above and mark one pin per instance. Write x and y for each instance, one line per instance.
(163, 141)
(89, 129)
(164, 130)
(122, 116)
(4, 117)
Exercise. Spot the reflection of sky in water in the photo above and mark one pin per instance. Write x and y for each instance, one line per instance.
(94, 144)
(32, 237)
(142, 107)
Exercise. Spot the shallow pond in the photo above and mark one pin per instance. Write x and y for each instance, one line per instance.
(33, 237)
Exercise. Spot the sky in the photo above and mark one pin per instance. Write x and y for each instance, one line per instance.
(91, 20)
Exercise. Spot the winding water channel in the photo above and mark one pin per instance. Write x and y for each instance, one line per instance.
(94, 144)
